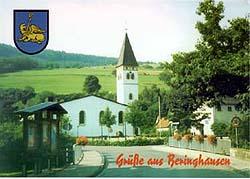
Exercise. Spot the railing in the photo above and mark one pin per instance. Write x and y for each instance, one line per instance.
(78, 153)
(221, 147)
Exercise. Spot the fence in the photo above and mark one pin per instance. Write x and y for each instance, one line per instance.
(221, 147)
(78, 153)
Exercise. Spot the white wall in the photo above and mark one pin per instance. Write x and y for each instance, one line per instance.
(206, 122)
(126, 86)
(92, 106)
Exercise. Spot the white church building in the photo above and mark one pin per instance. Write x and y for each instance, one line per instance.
(84, 113)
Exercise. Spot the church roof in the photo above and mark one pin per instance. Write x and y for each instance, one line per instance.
(127, 57)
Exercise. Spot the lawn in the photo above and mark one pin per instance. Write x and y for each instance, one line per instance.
(70, 80)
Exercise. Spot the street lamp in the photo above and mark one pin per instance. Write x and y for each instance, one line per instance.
(78, 130)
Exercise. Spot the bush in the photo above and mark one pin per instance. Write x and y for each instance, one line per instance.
(66, 141)
(212, 139)
(163, 133)
(134, 142)
(220, 129)
(82, 140)
(199, 138)
(11, 146)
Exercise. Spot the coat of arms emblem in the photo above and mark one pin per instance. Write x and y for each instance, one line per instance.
(31, 30)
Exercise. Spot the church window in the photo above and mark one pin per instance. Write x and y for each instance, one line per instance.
(130, 96)
(81, 117)
(128, 75)
(100, 116)
(132, 76)
(120, 117)
(229, 108)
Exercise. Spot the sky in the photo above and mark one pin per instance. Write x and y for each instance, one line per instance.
(156, 28)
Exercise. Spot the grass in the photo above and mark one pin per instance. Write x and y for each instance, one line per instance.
(70, 80)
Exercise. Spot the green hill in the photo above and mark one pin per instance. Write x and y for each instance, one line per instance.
(51, 58)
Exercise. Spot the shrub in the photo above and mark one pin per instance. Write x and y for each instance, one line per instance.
(212, 139)
(134, 142)
(11, 146)
(82, 140)
(188, 137)
(199, 138)
(220, 129)
(177, 137)
(163, 133)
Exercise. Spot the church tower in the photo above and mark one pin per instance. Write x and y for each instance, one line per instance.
(126, 74)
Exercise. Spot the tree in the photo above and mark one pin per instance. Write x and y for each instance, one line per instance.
(135, 115)
(107, 119)
(220, 129)
(217, 68)
(91, 84)
(144, 112)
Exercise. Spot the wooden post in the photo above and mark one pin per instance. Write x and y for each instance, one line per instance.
(25, 142)
(49, 164)
(24, 170)
(36, 167)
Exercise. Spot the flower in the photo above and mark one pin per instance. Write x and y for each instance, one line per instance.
(188, 137)
(177, 137)
(199, 138)
(82, 140)
(212, 139)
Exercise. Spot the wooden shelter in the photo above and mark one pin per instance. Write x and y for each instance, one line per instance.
(40, 134)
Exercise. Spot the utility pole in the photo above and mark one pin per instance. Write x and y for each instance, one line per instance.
(159, 115)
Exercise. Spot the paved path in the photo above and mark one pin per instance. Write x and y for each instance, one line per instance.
(111, 153)
(235, 163)
(91, 165)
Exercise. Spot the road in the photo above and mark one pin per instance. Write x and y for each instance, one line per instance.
(146, 170)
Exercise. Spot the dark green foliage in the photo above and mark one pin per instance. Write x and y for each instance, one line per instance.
(48, 59)
(107, 119)
(218, 67)
(91, 85)
(11, 147)
(14, 64)
(220, 129)
(243, 133)
(107, 95)
(8, 99)
(143, 113)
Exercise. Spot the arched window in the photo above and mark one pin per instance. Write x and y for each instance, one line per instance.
(81, 117)
(127, 75)
(132, 76)
(130, 96)
(120, 117)
(100, 116)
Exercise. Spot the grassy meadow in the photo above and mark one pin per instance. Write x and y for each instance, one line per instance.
(70, 80)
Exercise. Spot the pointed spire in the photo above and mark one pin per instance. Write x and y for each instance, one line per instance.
(127, 57)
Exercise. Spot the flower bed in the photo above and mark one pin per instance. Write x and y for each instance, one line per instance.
(82, 140)
(208, 144)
